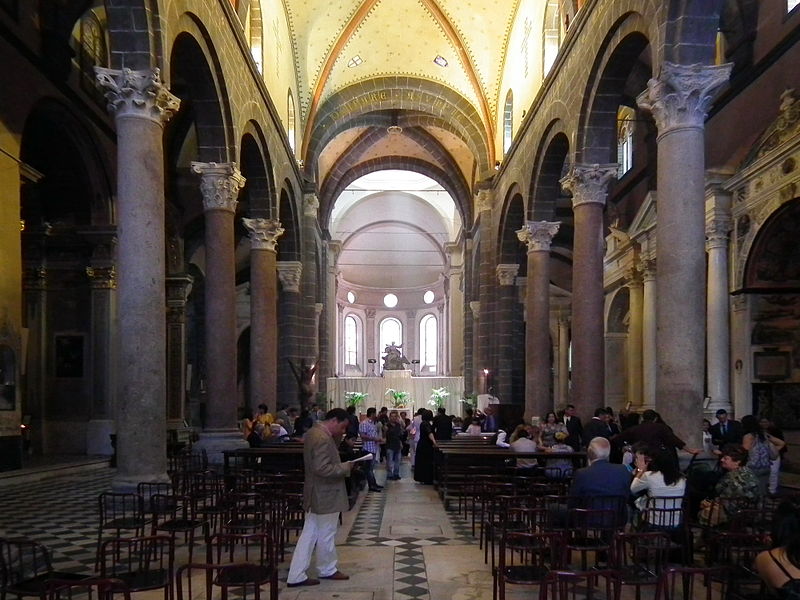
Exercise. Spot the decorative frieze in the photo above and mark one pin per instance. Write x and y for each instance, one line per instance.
(102, 278)
(682, 95)
(289, 274)
(538, 235)
(264, 233)
(588, 184)
(220, 184)
(139, 94)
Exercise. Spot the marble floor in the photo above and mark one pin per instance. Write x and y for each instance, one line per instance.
(398, 544)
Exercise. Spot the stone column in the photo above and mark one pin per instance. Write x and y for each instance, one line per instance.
(34, 286)
(537, 235)
(504, 316)
(411, 348)
(178, 288)
(588, 184)
(741, 349)
(289, 274)
(484, 336)
(649, 335)
(103, 283)
(141, 105)
(563, 359)
(308, 288)
(370, 337)
(679, 100)
(718, 334)
(220, 184)
(635, 339)
(264, 234)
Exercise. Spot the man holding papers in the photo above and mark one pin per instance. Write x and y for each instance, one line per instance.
(324, 497)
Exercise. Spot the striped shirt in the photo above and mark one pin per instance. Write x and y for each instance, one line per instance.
(369, 429)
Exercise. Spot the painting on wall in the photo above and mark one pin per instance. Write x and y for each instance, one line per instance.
(69, 355)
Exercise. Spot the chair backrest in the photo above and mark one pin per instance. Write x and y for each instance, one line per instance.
(544, 549)
(257, 548)
(646, 552)
(21, 559)
(569, 585)
(664, 511)
(119, 508)
(678, 583)
(93, 588)
(739, 550)
(190, 576)
(149, 554)
(588, 522)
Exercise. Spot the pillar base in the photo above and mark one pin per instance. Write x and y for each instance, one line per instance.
(98, 442)
(216, 441)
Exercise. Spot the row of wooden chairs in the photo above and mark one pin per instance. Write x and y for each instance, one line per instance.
(244, 561)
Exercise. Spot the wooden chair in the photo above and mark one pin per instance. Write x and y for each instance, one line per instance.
(175, 514)
(26, 569)
(250, 558)
(571, 585)
(87, 589)
(680, 583)
(590, 530)
(639, 558)
(527, 559)
(143, 563)
(119, 512)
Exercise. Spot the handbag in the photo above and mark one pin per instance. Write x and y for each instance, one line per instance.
(711, 513)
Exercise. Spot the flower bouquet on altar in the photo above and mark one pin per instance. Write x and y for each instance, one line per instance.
(355, 399)
(438, 396)
(399, 399)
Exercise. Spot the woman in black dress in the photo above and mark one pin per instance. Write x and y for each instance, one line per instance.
(423, 465)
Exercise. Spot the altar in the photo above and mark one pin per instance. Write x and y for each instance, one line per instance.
(418, 388)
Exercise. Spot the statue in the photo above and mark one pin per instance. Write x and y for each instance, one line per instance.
(394, 359)
(305, 387)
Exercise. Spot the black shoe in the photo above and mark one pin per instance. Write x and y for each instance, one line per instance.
(376, 489)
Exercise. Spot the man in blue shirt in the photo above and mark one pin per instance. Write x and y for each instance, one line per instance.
(370, 434)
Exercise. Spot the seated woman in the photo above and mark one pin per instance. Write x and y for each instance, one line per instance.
(779, 567)
(549, 427)
(559, 468)
(658, 477)
(738, 483)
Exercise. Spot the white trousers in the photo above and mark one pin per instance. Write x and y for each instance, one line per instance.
(319, 531)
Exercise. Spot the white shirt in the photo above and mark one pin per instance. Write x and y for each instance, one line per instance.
(525, 445)
(653, 483)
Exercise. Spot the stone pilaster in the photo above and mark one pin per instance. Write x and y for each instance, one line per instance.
(633, 279)
(264, 234)
(563, 359)
(648, 269)
(34, 287)
(484, 336)
(742, 400)
(411, 348)
(537, 236)
(309, 343)
(178, 288)
(506, 293)
(220, 184)
(103, 281)
(718, 334)
(679, 100)
(588, 185)
(289, 334)
(140, 104)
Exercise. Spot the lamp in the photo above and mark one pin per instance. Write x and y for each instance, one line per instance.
(486, 381)
(372, 362)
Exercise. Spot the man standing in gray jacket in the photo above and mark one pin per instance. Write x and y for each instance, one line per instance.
(324, 497)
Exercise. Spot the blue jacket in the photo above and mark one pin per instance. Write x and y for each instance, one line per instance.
(601, 478)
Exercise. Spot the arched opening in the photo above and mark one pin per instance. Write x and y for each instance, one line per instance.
(616, 349)
(291, 126)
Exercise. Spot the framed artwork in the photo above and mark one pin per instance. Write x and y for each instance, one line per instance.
(69, 350)
(772, 364)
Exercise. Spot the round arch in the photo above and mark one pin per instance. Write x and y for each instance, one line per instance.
(259, 191)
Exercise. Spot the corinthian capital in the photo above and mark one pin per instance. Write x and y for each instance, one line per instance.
(264, 233)
(717, 233)
(310, 205)
(506, 273)
(588, 184)
(289, 272)
(538, 235)
(220, 184)
(681, 96)
(138, 94)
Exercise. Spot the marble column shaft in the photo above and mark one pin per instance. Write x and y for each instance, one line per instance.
(563, 360)
(588, 184)
(635, 338)
(507, 297)
(220, 184)
(718, 328)
(264, 234)
(482, 331)
(679, 100)
(141, 105)
(538, 235)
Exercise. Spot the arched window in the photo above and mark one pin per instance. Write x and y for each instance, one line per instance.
(552, 35)
(290, 121)
(428, 343)
(508, 121)
(351, 339)
(92, 53)
(391, 332)
(255, 33)
(625, 127)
